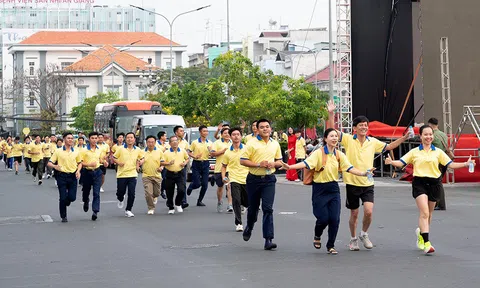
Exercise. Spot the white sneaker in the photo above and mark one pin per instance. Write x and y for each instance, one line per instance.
(35, 179)
(179, 209)
(120, 204)
(10, 169)
(244, 210)
(366, 241)
(48, 176)
(129, 214)
(150, 212)
(171, 212)
(239, 228)
(101, 190)
(155, 200)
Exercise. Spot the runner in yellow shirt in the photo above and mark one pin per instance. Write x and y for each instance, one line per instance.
(200, 151)
(182, 143)
(162, 144)
(17, 153)
(36, 150)
(106, 149)
(26, 156)
(218, 150)
(47, 153)
(8, 151)
(151, 173)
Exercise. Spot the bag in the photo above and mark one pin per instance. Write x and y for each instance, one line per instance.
(309, 173)
(448, 151)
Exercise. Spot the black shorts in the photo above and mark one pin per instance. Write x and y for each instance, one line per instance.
(355, 193)
(104, 169)
(18, 159)
(431, 187)
(218, 179)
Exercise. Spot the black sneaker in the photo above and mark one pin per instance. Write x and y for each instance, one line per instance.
(85, 207)
(185, 205)
(39, 182)
(247, 233)
(212, 181)
(269, 245)
(16, 172)
(163, 195)
(189, 191)
(200, 204)
(64, 220)
(94, 216)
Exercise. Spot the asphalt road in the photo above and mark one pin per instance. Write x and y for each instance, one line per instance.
(199, 248)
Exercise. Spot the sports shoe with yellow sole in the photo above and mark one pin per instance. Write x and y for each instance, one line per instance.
(428, 248)
(420, 242)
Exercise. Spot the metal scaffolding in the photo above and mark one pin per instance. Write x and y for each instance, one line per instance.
(344, 64)
(446, 96)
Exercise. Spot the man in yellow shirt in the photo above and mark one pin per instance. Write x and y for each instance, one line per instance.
(360, 150)
(128, 160)
(219, 148)
(200, 152)
(36, 150)
(119, 145)
(8, 151)
(26, 156)
(106, 149)
(47, 153)
(162, 144)
(300, 152)
(254, 132)
(175, 159)
(183, 144)
(151, 173)
(17, 152)
(262, 155)
(237, 176)
(93, 157)
(68, 171)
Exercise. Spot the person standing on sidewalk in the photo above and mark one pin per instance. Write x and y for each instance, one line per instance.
(219, 148)
(237, 176)
(36, 150)
(68, 171)
(93, 157)
(440, 140)
(200, 151)
(128, 160)
(262, 155)
(151, 173)
(360, 150)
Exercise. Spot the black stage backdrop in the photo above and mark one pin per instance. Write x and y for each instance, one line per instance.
(382, 60)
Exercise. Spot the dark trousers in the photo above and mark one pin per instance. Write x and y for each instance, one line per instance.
(28, 163)
(326, 208)
(299, 171)
(67, 188)
(82, 172)
(37, 168)
(171, 180)
(92, 179)
(47, 169)
(261, 188)
(122, 185)
(441, 203)
(239, 199)
(200, 170)
(163, 186)
(184, 171)
(10, 162)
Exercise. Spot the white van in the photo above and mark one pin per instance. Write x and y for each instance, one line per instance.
(145, 125)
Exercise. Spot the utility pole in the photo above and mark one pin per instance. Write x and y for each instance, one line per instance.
(330, 50)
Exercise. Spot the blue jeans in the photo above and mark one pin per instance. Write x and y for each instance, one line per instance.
(10, 163)
(67, 188)
(200, 170)
(92, 179)
(261, 188)
(162, 186)
(326, 208)
(122, 185)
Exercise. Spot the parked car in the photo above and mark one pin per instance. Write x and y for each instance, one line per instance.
(144, 125)
(192, 134)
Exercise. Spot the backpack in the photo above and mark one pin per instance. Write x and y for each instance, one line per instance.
(309, 173)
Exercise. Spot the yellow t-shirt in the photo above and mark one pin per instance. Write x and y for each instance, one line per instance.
(17, 150)
(330, 173)
(80, 148)
(300, 148)
(67, 159)
(249, 137)
(361, 157)
(202, 148)
(36, 148)
(47, 152)
(425, 163)
(162, 145)
(219, 145)
(115, 147)
(26, 147)
(8, 150)
(258, 150)
(237, 173)
(152, 163)
(183, 144)
(179, 155)
(88, 155)
(104, 147)
(129, 157)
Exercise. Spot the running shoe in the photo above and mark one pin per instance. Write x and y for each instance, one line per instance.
(366, 241)
(219, 207)
(420, 243)
(353, 245)
(428, 249)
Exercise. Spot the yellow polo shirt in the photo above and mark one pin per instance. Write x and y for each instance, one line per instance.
(183, 144)
(104, 147)
(17, 150)
(425, 163)
(219, 145)
(361, 157)
(201, 147)
(330, 173)
(88, 156)
(130, 158)
(249, 137)
(67, 159)
(152, 163)
(258, 150)
(162, 145)
(237, 173)
(26, 147)
(80, 148)
(179, 155)
(300, 148)
(8, 150)
(47, 153)
(36, 148)
(116, 147)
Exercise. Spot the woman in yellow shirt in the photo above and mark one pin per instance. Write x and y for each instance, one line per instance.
(8, 151)
(426, 182)
(17, 153)
(327, 162)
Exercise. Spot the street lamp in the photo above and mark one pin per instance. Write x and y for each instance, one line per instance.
(170, 23)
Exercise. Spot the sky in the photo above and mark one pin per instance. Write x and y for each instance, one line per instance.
(247, 17)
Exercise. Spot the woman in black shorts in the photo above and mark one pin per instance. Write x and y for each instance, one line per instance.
(426, 182)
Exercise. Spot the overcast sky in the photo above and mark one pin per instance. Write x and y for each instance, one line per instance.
(247, 17)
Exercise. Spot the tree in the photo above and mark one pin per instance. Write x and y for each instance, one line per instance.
(84, 114)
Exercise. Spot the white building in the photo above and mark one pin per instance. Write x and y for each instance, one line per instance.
(89, 55)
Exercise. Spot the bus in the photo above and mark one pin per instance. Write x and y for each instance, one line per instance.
(114, 118)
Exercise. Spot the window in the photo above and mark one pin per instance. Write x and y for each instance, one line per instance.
(120, 26)
(65, 64)
(33, 14)
(141, 92)
(32, 71)
(93, 14)
(82, 94)
(119, 13)
(31, 63)
(31, 97)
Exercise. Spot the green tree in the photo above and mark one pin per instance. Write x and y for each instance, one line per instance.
(84, 114)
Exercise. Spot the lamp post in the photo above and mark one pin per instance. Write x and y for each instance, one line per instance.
(170, 23)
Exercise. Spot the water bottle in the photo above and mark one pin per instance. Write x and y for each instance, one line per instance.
(471, 168)
(369, 176)
(268, 171)
(411, 133)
